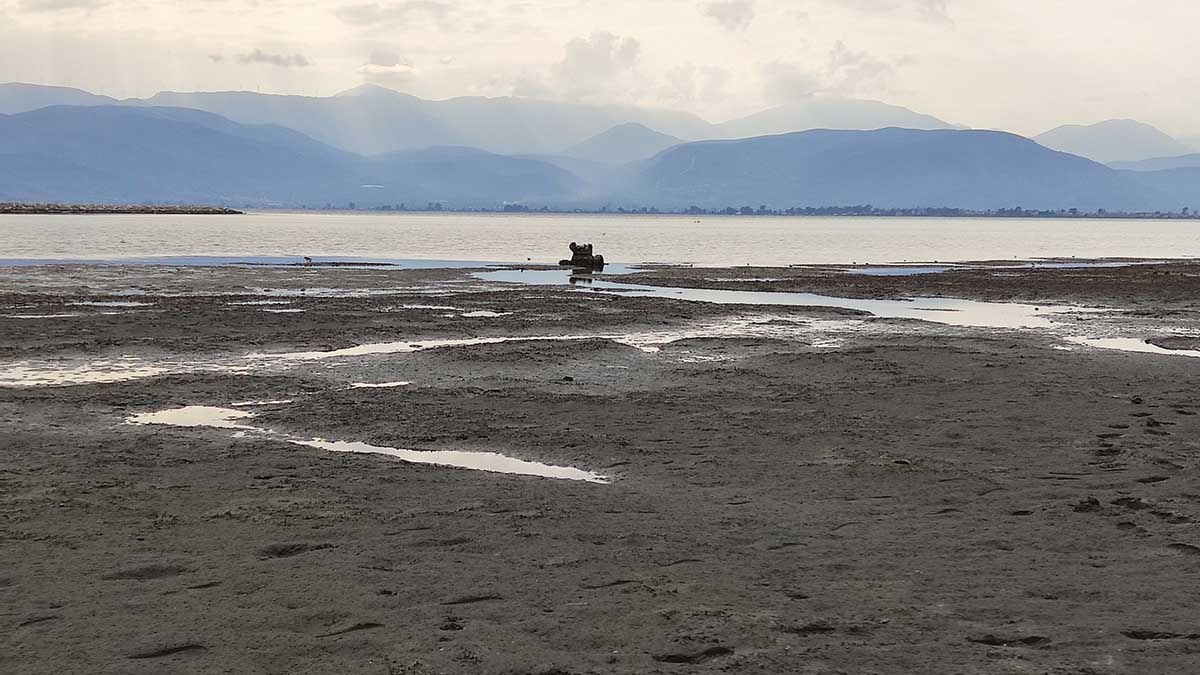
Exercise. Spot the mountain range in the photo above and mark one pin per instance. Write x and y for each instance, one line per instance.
(891, 168)
(371, 120)
(336, 151)
(1113, 141)
(121, 154)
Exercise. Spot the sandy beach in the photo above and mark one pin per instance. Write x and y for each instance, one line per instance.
(778, 489)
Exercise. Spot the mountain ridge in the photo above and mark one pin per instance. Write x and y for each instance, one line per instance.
(1115, 140)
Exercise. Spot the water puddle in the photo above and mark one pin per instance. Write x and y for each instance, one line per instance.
(30, 374)
(283, 311)
(114, 303)
(443, 308)
(70, 372)
(484, 314)
(196, 416)
(899, 270)
(256, 303)
(41, 316)
(227, 418)
(947, 311)
(379, 385)
(255, 404)
(1132, 345)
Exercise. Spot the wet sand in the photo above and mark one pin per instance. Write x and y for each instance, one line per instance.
(806, 490)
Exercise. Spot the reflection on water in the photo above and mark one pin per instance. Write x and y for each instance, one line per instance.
(196, 416)
(1132, 345)
(899, 271)
(227, 418)
(949, 311)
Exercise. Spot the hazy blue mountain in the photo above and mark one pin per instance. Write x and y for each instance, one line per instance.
(374, 120)
(122, 154)
(1181, 184)
(597, 179)
(1160, 163)
(826, 113)
(16, 97)
(532, 126)
(1113, 141)
(886, 168)
(622, 144)
(464, 176)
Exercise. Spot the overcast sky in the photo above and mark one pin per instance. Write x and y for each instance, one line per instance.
(1022, 65)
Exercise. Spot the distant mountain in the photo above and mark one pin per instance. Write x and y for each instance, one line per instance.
(371, 120)
(1113, 141)
(123, 154)
(16, 97)
(895, 168)
(1160, 163)
(826, 113)
(374, 120)
(1182, 185)
(161, 154)
(622, 144)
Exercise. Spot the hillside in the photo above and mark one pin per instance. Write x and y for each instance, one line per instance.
(121, 154)
(373, 120)
(622, 144)
(1160, 163)
(826, 113)
(17, 97)
(894, 168)
(1113, 141)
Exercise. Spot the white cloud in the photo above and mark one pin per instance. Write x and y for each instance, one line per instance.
(979, 62)
(279, 60)
(59, 5)
(732, 14)
(593, 66)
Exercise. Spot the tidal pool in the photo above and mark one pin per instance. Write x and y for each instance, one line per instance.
(947, 311)
(228, 418)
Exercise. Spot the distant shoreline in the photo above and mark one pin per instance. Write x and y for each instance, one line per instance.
(114, 209)
(811, 212)
(822, 212)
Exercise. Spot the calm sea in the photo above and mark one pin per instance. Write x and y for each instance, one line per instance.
(629, 239)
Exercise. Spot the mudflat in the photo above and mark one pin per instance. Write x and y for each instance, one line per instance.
(785, 489)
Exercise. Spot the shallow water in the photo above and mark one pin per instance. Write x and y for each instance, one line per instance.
(949, 311)
(228, 418)
(1132, 345)
(515, 238)
(196, 416)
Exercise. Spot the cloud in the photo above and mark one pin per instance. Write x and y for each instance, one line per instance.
(936, 11)
(592, 66)
(732, 14)
(386, 67)
(376, 14)
(788, 82)
(60, 5)
(280, 60)
(216, 58)
(846, 72)
(850, 72)
(528, 85)
(384, 59)
(689, 84)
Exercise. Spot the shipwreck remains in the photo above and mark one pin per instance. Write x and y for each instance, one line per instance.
(583, 259)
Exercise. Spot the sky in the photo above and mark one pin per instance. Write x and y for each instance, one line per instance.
(1019, 65)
